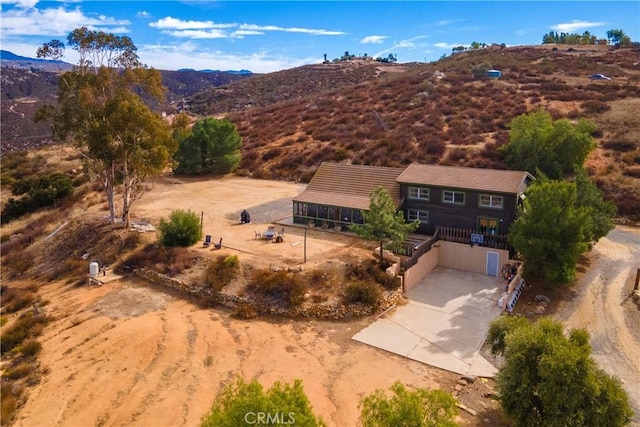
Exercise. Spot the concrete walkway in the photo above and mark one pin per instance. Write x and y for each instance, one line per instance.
(444, 323)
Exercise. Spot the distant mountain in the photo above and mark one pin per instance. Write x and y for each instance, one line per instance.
(217, 71)
(10, 59)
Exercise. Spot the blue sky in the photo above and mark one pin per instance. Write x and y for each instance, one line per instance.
(266, 36)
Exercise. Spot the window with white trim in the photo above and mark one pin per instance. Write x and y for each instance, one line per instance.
(419, 193)
(456, 197)
(419, 214)
(490, 201)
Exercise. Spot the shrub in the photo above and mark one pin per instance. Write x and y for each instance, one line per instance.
(221, 272)
(16, 299)
(12, 337)
(182, 229)
(30, 347)
(370, 271)
(20, 371)
(241, 403)
(421, 407)
(368, 293)
(165, 260)
(279, 287)
(36, 192)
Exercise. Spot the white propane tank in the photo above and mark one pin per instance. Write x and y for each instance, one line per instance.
(93, 269)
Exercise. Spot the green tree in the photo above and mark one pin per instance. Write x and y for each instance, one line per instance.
(550, 379)
(601, 213)
(618, 38)
(213, 146)
(536, 141)
(419, 408)
(118, 147)
(382, 223)
(36, 192)
(242, 403)
(551, 231)
(182, 229)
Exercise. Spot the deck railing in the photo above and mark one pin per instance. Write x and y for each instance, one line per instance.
(412, 252)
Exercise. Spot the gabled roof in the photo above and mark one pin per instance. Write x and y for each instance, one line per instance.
(490, 180)
(349, 186)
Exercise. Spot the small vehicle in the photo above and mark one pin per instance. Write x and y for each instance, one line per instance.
(599, 77)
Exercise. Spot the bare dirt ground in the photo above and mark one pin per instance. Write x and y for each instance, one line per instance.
(602, 305)
(127, 353)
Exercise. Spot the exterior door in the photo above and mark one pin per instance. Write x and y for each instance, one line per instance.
(492, 263)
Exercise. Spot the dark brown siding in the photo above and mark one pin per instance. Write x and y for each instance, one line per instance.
(464, 216)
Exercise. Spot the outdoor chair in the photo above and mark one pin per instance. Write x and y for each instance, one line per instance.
(258, 235)
(218, 245)
(207, 241)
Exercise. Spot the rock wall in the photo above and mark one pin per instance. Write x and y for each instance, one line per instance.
(329, 311)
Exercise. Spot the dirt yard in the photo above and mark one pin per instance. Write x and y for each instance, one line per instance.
(127, 353)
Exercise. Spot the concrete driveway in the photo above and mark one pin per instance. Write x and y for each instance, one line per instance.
(444, 323)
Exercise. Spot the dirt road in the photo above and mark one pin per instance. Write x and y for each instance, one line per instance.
(603, 307)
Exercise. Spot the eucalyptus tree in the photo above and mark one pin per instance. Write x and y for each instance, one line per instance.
(101, 113)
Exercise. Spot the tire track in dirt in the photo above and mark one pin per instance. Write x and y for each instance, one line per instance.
(599, 308)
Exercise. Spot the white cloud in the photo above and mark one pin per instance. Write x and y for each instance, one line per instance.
(373, 39)
(143, 14)
(576, 25)
(449, 46)
(445, 22)
(53, 22)
(199, 34)
(170, 23)
(311, 31)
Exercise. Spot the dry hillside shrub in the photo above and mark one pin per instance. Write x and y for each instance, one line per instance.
(593, 106)
(14, 300)
(166, 260)
(221, 272)
(361, 292)
(30, 347)
(620, 142)
(371, 271)
(278, 287)
(632, 171)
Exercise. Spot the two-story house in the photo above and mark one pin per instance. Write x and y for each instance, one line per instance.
(483, 200)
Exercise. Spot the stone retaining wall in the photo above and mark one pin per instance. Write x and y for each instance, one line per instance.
(332, 311)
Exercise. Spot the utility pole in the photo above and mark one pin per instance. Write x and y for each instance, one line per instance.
(305, 246)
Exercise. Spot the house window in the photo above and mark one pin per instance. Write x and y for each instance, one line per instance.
(489, 201)
(456, 197)
(418, 193)
(421, 215)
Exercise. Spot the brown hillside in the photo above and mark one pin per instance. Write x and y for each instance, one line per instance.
(392, 115)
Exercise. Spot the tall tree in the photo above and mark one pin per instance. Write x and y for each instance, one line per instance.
(536, 141)
(118, 148)
(382, 223)
(550, 379)
(551, 231)
(212, 146)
